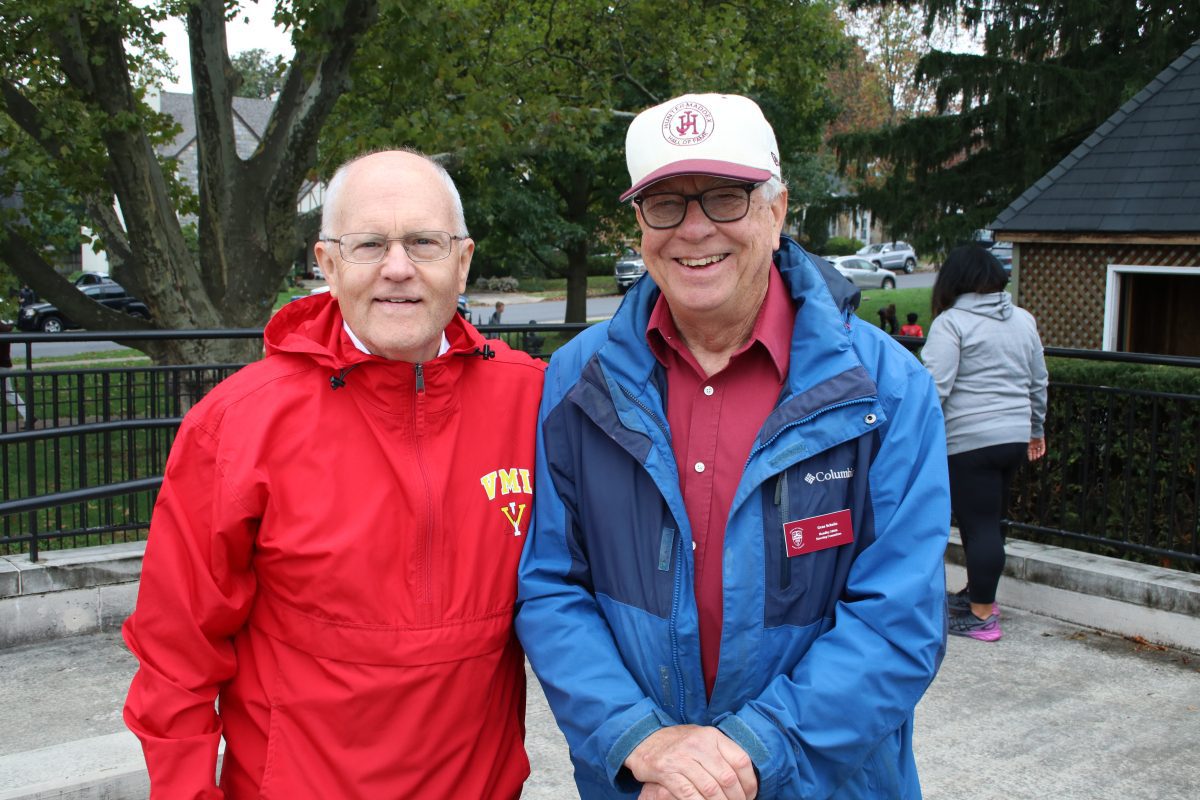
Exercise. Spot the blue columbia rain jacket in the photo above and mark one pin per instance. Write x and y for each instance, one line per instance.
(823, 655)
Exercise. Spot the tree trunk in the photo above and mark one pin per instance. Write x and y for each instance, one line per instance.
(248, 221)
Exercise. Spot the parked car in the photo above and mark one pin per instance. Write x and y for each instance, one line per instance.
(628, 269)
(47, 318)
(91, 279)
(892, 255)
(1003, 253)
(864, 274)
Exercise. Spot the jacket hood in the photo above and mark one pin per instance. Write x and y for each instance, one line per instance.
(312, 326)
(997, 305)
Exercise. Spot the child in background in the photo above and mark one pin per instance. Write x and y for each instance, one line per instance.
(912, 328)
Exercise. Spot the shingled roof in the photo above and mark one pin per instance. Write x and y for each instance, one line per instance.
(1139, 172)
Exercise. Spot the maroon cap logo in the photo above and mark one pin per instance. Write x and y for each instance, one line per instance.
(687, 123)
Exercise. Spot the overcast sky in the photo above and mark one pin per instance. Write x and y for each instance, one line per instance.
(252, 29)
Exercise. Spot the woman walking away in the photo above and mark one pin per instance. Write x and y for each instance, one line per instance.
(986, 358)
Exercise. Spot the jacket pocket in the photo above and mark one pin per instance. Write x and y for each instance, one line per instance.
(804, 588)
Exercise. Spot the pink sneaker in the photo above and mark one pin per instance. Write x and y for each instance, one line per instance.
(985, 630)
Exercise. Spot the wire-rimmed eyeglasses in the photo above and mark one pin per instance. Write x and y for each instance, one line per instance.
(371, 248)
(720, 204)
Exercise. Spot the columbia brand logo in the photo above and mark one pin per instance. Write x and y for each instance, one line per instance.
(829, 475)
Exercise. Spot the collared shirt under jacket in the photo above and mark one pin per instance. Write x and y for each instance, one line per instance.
(833, 583)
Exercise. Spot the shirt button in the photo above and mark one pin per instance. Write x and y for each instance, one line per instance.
(693, 545)
(699, 466)
(708, 391)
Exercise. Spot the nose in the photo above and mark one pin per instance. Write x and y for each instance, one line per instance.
(695, 223)
(396, 264)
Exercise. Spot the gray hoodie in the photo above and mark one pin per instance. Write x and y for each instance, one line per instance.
(986, 358)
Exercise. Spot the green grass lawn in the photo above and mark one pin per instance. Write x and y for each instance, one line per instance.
(906, 300)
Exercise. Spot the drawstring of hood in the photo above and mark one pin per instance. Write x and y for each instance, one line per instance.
(484, 352)
(339, 380)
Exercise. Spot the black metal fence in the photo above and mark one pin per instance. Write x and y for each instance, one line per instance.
(1120, 476)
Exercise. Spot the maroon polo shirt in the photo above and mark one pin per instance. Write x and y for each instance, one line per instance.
(714, 421)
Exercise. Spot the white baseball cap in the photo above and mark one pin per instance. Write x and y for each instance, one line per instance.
(724, 135)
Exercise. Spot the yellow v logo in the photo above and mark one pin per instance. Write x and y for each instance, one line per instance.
(519, 511)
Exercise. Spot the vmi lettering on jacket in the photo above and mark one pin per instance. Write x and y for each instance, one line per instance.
(512, 481)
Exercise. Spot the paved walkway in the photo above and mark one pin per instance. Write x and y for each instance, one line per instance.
(1053, 710)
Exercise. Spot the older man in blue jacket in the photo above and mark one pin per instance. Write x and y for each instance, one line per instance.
(734, 586)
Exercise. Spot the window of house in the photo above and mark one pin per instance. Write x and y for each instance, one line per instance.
(1152, 310)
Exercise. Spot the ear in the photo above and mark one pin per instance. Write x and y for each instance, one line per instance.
(327, 260)
(466, 251)
(779, 211)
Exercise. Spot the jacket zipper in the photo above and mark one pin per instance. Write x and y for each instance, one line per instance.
(661, 425)
(425, 590)
(680, 694)
(781, 503)
(683, 716)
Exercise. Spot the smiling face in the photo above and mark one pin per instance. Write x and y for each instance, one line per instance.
(398, 307)
(713, 273)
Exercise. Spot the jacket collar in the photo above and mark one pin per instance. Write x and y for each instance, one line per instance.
(822, 336)
(312, 328)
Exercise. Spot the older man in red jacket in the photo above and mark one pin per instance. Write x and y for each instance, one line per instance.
(333, 554)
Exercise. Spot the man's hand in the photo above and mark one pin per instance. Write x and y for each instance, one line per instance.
(1037, 448)
(688, 762)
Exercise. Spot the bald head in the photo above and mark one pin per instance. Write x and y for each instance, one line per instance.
(386, 163)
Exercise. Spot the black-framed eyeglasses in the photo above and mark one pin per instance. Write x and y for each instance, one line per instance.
(371, 248)
(720, 204)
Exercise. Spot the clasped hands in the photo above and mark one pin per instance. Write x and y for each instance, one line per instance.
(690, 762)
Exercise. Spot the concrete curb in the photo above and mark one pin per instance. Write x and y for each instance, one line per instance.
(86, 590)
(68, 592)
(100, 768)
(1159, 605)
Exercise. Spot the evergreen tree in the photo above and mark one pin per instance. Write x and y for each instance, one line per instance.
(1049, 73)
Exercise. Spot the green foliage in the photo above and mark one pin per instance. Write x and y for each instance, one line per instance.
(1144, 377)
(1050, 73)
(530, 104)
(261, 73)
(841, 246)
(77, 93)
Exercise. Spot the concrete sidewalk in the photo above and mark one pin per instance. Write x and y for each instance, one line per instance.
(1056, 709)
(1053, 710)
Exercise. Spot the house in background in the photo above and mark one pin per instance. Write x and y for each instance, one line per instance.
(1107, 244)
(250, 117)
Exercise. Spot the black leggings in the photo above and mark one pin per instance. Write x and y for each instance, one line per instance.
(979, 483)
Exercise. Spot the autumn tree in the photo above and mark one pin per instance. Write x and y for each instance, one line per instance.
(79, 132)
(1049, 73)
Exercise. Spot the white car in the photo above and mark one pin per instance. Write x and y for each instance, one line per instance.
(892, 255)
(864, 274)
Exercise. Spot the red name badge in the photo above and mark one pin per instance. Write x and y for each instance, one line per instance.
(817, 533)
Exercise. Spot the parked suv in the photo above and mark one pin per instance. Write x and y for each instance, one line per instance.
(629, 268)
(892, 255)
(47, 318)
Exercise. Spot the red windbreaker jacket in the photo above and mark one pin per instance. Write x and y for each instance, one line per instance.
(333, 555)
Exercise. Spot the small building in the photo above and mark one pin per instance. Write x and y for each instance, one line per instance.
(1107, 244)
